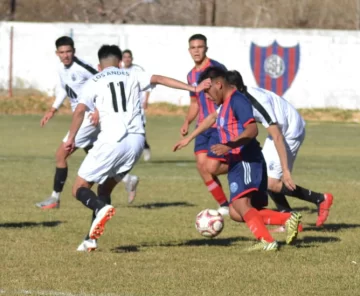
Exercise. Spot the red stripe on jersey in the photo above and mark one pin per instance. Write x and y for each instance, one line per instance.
(279, 81)
(267, 77)
(257, 65)
(292, 54)
(233, 127)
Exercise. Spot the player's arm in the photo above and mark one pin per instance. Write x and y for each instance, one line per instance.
(77, 119)
(86, 102)
(279, 142)
(146, 100)
(60, 96)
(192, 113)
(203, 126)
(173, 83)
(244, 115)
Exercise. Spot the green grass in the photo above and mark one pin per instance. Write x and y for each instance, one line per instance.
(152, 247)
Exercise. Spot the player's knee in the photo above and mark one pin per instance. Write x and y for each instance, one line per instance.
(212, 167)
(274, 185)
(235, 216)
(201, 166)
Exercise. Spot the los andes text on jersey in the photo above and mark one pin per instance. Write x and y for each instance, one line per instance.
(108, 73)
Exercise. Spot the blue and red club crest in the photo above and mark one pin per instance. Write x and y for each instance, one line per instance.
(274, 66)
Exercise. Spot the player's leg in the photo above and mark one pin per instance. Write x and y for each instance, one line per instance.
(204, 160)
(322, 200)
(131, 182)
(61, 172)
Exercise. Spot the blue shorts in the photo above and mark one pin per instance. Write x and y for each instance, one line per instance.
(205, 140)
(245, 177)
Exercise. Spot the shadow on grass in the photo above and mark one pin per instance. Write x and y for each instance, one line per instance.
(332, 227)
(158, 205)
(30, 224)
(225, 242)
(311, 210)
(304, 242)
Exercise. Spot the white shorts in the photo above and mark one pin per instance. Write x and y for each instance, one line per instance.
(274, 169)
(86, 135)
(112, 160)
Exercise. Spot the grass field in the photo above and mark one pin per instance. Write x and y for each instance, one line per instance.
(152, 247)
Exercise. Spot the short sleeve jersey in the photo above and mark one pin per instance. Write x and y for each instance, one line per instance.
(137, 68)
(71, 80)
(269, 108)
(206, 106)
(233, 116)
(115, 93)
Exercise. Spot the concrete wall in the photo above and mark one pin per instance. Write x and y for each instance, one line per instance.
(311, 68)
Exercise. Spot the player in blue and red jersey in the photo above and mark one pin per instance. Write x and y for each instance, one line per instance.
(245, 163)
(200, 106)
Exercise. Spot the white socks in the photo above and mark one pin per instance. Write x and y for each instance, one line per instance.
(56, 195)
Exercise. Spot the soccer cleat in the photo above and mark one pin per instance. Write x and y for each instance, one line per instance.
(224, 211)
(324, 209)
(263, 245)
(88, 245)
(147, 154)
(292, 227)
(98, 226)
(282, 229)
(130, 186)
(49, 203)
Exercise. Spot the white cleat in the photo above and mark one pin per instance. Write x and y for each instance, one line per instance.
(88, 245)
(131, 186)
(98, 226)
(147, 154)
(224, 211)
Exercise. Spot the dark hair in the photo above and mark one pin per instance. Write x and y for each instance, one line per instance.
(128, 51)
(198, 37)
(64, 40)
(106, 51)
(235, 78)
(212, 73)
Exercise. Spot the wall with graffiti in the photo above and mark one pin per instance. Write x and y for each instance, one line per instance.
(310, 68)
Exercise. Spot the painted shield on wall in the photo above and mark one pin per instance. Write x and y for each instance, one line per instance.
(274, 66)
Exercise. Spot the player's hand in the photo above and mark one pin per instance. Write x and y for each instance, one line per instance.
(69, 145)
(205, 84)
(184, 129)
(220, 149)
(288, 181)
(181, 144)
(94, 117)
(48, 115)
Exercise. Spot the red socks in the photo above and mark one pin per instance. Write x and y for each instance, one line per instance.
(217, 192)
(256, 224)
(271, 217)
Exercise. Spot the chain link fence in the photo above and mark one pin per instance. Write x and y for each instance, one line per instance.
(322, 14)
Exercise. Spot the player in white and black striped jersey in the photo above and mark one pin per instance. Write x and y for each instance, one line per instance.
(73, 73)
(286, 130)
(128, 65)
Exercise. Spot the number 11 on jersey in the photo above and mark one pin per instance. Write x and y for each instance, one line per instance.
(114, 96)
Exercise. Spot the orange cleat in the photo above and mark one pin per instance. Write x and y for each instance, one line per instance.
(324, 209)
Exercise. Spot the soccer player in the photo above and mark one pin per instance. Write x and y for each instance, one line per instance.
(200, 106)
(73, 74)
(144, 96)
(245, 163)
(115, 93)
(286, 130)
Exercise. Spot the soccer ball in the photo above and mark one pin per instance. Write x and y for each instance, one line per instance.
(209, 223)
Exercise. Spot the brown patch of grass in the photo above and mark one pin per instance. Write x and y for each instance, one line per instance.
(35, 102)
